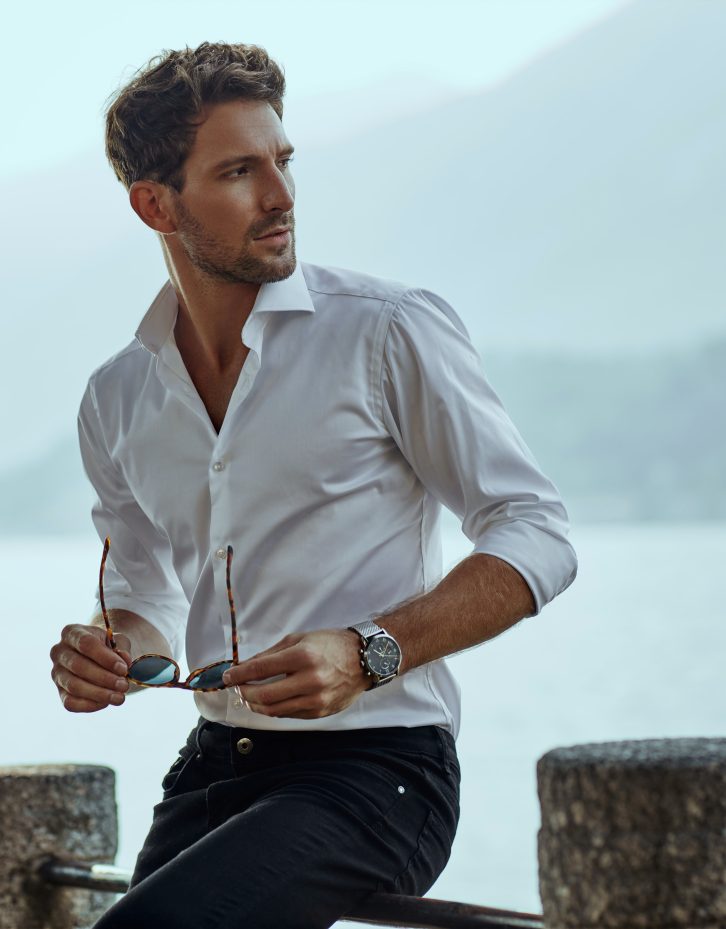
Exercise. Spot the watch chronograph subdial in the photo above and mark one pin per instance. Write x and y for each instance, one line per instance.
(384, 655)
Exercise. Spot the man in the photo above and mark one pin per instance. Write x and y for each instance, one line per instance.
(314, 420)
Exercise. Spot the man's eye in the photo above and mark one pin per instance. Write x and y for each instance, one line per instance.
(240, 170)
(286, 161)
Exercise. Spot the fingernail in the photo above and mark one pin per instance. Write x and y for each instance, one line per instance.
(226, 677)
(117, 699)
(120, 668)
(122, 684)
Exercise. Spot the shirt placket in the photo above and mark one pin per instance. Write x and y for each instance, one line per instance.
(223, 459)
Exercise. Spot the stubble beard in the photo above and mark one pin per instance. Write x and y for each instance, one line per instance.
(236, 266)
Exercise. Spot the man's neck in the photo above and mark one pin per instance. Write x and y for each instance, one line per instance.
(211, 317)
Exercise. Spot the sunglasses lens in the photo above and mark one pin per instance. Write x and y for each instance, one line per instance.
(152, 671)
(210, 677)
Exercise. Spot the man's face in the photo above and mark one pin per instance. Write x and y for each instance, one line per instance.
(238, 188)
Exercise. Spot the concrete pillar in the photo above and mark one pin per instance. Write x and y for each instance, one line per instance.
(62, 811)
(634, 835)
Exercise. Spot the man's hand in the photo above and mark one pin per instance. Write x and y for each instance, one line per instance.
(88, 674)
(322, 675)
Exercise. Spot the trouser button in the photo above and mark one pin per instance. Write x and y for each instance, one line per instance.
(244, 746)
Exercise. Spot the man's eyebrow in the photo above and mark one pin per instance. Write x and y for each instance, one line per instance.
(249, 159)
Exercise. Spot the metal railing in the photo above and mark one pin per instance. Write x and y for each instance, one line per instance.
(379, 909)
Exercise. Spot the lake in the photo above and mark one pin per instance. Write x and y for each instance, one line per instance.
(634, 649)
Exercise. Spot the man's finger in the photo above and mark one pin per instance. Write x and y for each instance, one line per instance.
(86, 669)
(285, 661)
(91, 642)
(84, 690)
(298, 708)
(125, 656)
(79, 704)
(287, 688)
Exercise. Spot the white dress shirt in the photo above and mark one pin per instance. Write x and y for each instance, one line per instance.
(361, 408)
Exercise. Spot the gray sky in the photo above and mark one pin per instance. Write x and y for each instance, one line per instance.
(68, 57)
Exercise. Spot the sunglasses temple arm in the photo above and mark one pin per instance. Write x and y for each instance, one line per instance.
(233, 618)
(109, 632)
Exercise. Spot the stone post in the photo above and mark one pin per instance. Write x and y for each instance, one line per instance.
(634, 835)
(59, 811)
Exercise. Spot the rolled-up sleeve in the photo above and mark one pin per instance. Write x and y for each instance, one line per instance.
(454, 432)
(139, 575)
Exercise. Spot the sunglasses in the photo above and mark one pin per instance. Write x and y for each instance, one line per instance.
(160, 671)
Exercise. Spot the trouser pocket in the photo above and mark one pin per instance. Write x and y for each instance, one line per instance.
(429, 860)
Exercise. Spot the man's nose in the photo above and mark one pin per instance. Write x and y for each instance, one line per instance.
(280, 192)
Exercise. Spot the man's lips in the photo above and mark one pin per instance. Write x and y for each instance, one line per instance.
(275, 232)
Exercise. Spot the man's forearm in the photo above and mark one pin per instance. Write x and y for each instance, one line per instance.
(479, 598)
(318, 673)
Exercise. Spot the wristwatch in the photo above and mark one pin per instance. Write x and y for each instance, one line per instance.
(380, 653)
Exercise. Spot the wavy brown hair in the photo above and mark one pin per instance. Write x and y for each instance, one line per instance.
(151, 122)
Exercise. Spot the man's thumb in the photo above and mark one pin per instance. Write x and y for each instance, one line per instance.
(123, 647)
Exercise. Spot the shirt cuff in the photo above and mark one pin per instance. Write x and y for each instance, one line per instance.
(547, 562)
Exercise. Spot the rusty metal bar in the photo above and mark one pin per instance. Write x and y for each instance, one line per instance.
(380, 909)
(90, 876)
(425, 913)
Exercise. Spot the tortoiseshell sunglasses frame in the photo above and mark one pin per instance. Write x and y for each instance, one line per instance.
(182, 685)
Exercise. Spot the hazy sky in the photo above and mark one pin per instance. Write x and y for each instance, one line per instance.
(62, 60)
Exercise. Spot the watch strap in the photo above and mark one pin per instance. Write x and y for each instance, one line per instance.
(367, 629)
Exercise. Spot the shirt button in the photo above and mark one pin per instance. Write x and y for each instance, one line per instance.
(244, 746)
(218, 466)
(221, 553)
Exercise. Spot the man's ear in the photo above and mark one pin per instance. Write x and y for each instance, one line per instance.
(152, 204)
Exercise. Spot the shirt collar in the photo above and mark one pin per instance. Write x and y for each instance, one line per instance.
(273, 297)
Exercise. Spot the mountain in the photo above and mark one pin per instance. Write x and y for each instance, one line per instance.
(577, 207)
(625, 437)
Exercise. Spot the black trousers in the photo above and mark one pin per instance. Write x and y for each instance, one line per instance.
(290, 830)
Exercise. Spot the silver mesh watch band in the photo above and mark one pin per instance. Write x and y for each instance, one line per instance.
(367, 629)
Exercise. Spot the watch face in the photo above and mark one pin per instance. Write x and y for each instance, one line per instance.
(384, 655)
